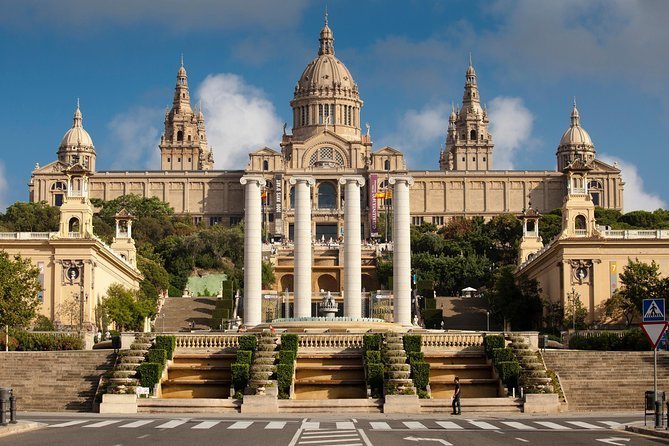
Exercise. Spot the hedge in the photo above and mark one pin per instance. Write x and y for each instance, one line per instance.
(416, 356)
(22, 340)
(412, 343)
(632, 340)
(375, 375)
(248, 342)
(420, 373)
(371, 342)
(284, 375)
(502, 355)
(157, 355)
(244, 357)
(149, 374)
(373, 357)
(491, 342)
(167, 343)
(287, 357)
(289, 342)
(240, 376)
(509, 372)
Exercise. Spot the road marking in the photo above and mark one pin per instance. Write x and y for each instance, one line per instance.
(380, 425)
(295, 437)
(612, 424)
(171, 424)
(438, 440)
(69, 423)
(319, 431)
(137, 423)
(517, 425)
(311, 437)
(240, 425)
(345, 425)
(309, 425)
(414, 425)
(363, 435)
(585, 425)
(448, 425)
(275, 425)
(551, 425)
(206, 425)
(613, 440)
(522, 439)
(103, 423)
(329, 441)
(143, 436)
(483, 425)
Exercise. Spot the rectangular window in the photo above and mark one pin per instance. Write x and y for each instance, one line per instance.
(320, 113)
(416, 221)
(306, 121)
(214, 221)
(197, 220)
(58, 200)
(438, 220)
(235, 220)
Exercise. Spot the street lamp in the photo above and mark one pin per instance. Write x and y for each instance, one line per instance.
(487, 320)
(572, 297)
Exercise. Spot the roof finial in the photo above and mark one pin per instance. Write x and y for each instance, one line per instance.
(182, 60)
(326, 14)
(77, 103)
(470, 58)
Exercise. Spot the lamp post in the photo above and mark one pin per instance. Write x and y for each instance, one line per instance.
(487, 321)
(574, 297)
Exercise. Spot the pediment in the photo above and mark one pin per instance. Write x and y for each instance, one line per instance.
(264, 151)
(53, 167)
(325, 137)
(601, 166)
(387, 150)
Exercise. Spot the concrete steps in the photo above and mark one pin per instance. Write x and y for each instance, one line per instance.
(477, 378)
(192, 405)
(330, 376)
(54, 381)
(469, 405)
(178, 313)
(332, 405)
(198, 375)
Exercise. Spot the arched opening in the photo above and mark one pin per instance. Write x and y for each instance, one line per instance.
(327, 282)
(386, 165)
(188, 137)
(287, 283)
(73, 225)
(327, 196)
(530, 226)
(472, 135)
(369, 283)
(180, 135)
(265, 165)
(579, 222)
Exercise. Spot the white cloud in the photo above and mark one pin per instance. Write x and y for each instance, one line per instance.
(635, 197)
(135, 137)
(3, 186)
(239, 119)
(511, 128)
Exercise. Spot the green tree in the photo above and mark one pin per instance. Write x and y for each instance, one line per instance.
(268, 278)
(120, 306)
(19, 285)
(638, 281)
(641, 219)
(575, 313)
(515, 301)
(156, 279)
(31, 217)
(607, 217)
(550, 225)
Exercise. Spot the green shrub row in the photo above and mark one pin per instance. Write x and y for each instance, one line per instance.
(375, 371)
(248, 342)
(240, 376)
(632, 340)
(167, 343)
(491, 342)
(371, 342)
(509, 371)
(412, 343)
(415, 356)
(244, 357)
(149, 374)
(289, 342)
(420, 373)
(372, 357)
(287, 357)
(26, 341)
(502, 355)
(158, 356)
(286, 367)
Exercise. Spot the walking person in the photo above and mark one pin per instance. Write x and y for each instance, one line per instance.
(456, 397)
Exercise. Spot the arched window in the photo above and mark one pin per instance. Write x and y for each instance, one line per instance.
(73, 225)
(188, 137)
(579, 222)
(180, 135)
(327, 195)
(472, 135)
(386, 165)
(291, 198)
(265, 165)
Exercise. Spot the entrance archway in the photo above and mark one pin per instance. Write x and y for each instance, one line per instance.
(287, 283)
(327, 282)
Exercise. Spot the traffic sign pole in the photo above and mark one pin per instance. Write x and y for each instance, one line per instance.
(653, 311)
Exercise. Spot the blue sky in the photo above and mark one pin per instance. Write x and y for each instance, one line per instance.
(408, 58)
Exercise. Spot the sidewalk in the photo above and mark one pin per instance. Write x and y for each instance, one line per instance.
(20, 427)
(639, 428)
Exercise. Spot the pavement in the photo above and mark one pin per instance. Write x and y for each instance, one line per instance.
(642, 428)
(20, 427)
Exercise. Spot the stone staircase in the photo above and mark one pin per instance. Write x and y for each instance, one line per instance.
(596, 380)
(54, 381)
(330, 375)
(477, 377)
(198, 375)
(178, 313)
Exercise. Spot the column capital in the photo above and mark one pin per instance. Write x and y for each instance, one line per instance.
(298, 179)
(352, 178)
(253, 178)
(403, 179)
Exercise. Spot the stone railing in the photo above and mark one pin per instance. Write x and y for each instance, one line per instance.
(330, 341)
(25, 235)
(446, 340)
(636, 234)
(220, 342)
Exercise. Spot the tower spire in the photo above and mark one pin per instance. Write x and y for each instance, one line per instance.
(574, 115)
(326, 39)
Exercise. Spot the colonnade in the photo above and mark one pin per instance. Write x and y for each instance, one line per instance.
(303, 247)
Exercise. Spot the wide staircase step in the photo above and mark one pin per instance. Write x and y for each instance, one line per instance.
(469, 405)
(198, 375)
(179, 313)
(477, 378)
(54, 381)
(329, 376)
(613, 381)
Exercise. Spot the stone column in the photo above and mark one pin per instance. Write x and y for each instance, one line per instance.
(252, 249)
(303, 245)
(401, 250)
(352, 249)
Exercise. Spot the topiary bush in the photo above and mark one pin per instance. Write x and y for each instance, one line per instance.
(412, 343)
(244, 357)
(373, 357)
(240, 376)
(248, 342)
(375, 372)
(149, 374)
(284, 375)
(415, 356)
(289, 341)
(420, 373)
(509, 371)
(632, 340)
(167, 343)
(371, 342)
(157, 355)
(491, 342)
(502, 355)
(287, 357)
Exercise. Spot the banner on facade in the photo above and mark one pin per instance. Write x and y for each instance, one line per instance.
(278, 205)
(613, 277)
(373, 204)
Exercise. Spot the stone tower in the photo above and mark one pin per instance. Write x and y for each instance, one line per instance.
(184, 146)
(531, 241)
(575, 143)
(123, 242)
(76, 147)
(468, 142)
(76, 212)
(578, 211)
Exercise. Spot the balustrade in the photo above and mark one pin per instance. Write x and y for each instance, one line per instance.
(444, 340)
(207, 341)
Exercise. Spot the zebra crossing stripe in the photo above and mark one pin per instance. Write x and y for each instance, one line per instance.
(275, 425)
(483, 425)
(171, 424)
(310, 425)
(345, 425)
(69, 423)
(240, 425)
(448, 425)
(334, 440)
(551, 425)
(206, 425)
(137, 423)
(329, 433)
(612, 424)
(414, 425)
(103, 423)
(380, 425)
(517, 425)
(585, 425)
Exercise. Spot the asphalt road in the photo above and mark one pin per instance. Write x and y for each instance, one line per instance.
(328, 430)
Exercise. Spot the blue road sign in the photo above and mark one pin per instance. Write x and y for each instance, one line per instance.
(653, 310)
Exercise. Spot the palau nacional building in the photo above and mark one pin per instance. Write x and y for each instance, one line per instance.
(327, 145)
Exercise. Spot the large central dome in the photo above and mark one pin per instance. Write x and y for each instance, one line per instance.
(326, 96)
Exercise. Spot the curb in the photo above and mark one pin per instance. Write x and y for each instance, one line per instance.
(648, 431)
(20, 427)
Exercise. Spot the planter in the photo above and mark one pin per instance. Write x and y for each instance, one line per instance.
(401, 404)
(541, 403)
(118, 403)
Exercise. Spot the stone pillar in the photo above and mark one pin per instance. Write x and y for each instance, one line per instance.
(352, 249)
(401, 250)
(252, 249)
(303, 245)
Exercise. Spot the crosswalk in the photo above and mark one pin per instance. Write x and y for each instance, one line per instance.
(311, 427)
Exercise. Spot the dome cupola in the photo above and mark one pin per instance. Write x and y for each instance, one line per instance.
(575, 143)
(77, 147)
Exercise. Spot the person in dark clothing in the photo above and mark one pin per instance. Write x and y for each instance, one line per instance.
(456, 397)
